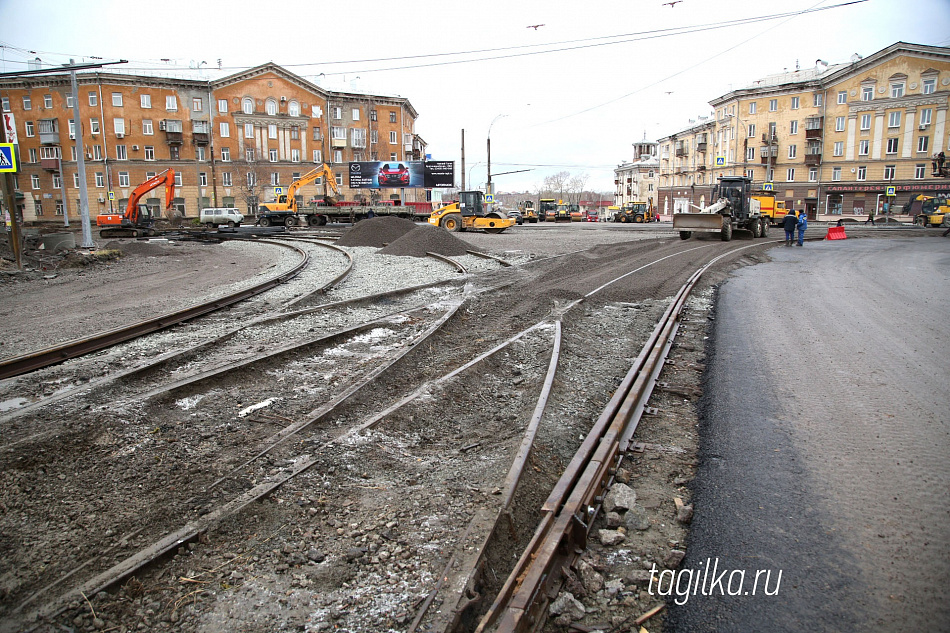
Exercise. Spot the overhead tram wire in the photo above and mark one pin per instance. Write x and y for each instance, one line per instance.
(593, 42)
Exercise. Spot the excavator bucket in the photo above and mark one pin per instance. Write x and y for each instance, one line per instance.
(697, 222)
(330, 201)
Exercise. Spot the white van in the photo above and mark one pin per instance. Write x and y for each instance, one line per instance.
(212, 217)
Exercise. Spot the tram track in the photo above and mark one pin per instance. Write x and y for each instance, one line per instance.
(347, 424)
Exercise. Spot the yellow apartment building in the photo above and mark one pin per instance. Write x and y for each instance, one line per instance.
(836, 139)
(230, 141)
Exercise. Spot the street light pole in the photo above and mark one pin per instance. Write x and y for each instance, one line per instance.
(488, 148)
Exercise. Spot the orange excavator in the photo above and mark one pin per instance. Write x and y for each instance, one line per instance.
(137, 221)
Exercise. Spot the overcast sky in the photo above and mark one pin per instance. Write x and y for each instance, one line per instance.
(625, 69)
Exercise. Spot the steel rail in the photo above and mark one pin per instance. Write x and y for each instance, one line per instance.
(330, 284)
(574, 503)
(448, 260)
(54, 355)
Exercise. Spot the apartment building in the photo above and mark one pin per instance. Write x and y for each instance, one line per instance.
(834, 140)
(636, 181)
(230, 141)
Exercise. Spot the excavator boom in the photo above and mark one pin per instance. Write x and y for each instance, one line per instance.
(132, 223)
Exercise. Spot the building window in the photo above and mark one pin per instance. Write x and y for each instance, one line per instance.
(317, 156)
(249, 154)
(178, 181)
(146, 101)
(294, 132)
(317, 134)
(72, 129)
(864, 147)
(123, 179)
(149, 152)
(116, 99)
(119, 125)
(147, 128)
(93, 126)
(60, 208)
(293, 108)
(248, 130)
(817, 101)
(923, 143)
(373, 137)
(251, 179)
(865, 121)
(372, 115)
(200, 155)
(339, 133)
(929, 86)
(392, 138)
(27, 103)
(171, 103)
(93, 99)
(750, 153)
(892, 145)
(889, 172)
(270, 107)
(842, 96)
(295, 155)
(275, 179)
(337, 156)
(862, 173)
(336, 112)
(226, 178)
(97, 152)
(752, 108)
(795, 103)
(839, 124)
(897, 90)
(392, 156)
(225, 129)
(836, 174)
(750, 173)
(273, 155)
(202, 179)
(920, 171)
(174, 153)
(773, 105)
(894, 119)
(925, 116)
(271, 131)
(222, 106)
(812, 174)
(32, 156)
(792, 151)
(356, 114)
(392, 118)
(226, 154)
(34, 181)
(197, 105)
(120, 153)
(339, 179)
(247, 105)
(867, 93)
(72, 153)
(100, 180)
(793, 127)
(751, 130)
(839, 148)
(790, 175)
(30, 131)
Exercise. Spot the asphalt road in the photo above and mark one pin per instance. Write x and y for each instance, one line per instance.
(826, 444)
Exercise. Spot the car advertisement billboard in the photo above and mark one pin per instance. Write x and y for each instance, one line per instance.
(401, 174)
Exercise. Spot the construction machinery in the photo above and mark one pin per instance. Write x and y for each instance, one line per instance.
(138, 219)
(562, 212)
(470, 213)
(933, 209)
(735, 208)
(635, 212)
(773, 210)
(547, 209)
(528, 212)
(284, 210)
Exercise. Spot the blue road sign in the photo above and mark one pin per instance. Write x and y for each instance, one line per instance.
(7, 158)
(767, 186)
(720, 161)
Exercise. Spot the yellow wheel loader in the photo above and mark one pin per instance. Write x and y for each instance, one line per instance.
(468, 214)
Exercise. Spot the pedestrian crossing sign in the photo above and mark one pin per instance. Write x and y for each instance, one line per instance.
(7, 158)
(892, 191)
(278, 191)
(720, 161)
(767, 186)
(489, 198)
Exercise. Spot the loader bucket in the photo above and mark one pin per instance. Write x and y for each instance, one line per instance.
(697, 222)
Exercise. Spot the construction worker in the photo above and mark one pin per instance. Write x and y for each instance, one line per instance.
(802, 225)
(788, 223)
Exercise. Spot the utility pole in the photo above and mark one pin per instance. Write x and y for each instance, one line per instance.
(80, 166)
(463, 160)
(10, 203)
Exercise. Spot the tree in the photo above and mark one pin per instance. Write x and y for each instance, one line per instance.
(253, 183)
(557, 183)
(575, 187)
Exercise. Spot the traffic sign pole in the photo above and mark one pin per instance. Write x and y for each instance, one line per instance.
(10, 203)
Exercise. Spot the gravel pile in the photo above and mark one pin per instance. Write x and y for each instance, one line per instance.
(376, 232)
(425, 238)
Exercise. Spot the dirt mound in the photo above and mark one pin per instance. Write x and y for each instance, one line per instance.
(376, 232)
(425, 238)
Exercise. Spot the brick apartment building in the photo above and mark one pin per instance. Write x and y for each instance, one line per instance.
(830, 139)
(230, 141)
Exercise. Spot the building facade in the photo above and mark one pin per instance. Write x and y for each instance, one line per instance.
(834, 140)
(637, 181)
(230, 141)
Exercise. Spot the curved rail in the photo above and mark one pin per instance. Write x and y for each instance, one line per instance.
(330, 284)
(79, 347)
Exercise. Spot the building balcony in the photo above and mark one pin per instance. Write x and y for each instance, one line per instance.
(813, 134)
(50, 164)
(201, 138)
(49, 131)
(812, 159)
(338, 142)
(701, 147)
(681, 152)
(174, 138)
(700, 168)
(770, 139)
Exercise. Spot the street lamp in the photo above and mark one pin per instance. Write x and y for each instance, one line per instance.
(474, 165)
(488, 148)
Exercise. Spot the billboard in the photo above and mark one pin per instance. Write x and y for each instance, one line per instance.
(401, 174)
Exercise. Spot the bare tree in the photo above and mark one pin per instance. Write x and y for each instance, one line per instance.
(557, 183)
(253, 183)
(575, 187)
